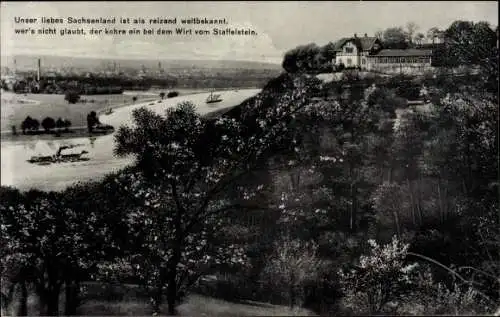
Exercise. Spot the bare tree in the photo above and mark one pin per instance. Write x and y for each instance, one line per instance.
(432, 33)
(411, 29)
(419, 38)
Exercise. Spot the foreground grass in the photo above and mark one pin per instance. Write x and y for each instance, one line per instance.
(128, 301)
(195, 305)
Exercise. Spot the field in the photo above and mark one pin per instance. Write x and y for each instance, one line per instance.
(16, 171)
(16, 107)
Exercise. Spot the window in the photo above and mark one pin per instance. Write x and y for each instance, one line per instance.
(348, 49)
(363, 61)
(349, 61)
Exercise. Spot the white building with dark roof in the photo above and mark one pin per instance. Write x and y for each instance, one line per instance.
(368, 53)
(353, 51)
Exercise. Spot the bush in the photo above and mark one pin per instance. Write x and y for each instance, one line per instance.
(172, 94)
(385, 282)
(293, 265)
(72, 97)
(379, 279)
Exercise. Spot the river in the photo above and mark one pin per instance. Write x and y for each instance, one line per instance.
(17, 172)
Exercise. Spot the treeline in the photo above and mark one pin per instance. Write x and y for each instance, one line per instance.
(32, 126)
(308, 195)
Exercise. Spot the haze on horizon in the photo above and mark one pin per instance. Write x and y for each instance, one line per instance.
(280, 26)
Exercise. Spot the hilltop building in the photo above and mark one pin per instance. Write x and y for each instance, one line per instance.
(367, 53)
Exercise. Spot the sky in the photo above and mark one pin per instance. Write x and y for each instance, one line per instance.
(280, 26)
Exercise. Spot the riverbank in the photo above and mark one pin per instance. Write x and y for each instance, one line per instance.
(76, 132)
(18, 172)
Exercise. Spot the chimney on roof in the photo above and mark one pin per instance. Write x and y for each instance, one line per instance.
(355, 35)
(366, 35)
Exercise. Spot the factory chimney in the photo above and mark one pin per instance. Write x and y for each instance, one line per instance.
(38, 70)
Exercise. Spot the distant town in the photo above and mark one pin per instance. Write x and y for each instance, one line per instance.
(110, 77)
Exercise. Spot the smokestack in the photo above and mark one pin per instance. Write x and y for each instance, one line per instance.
(355, 35)
(38, 70)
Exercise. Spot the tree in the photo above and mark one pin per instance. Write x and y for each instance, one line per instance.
(55, 239)
(411, 29)
(303, 58)
(419, 39)
(187, 167)
(35, 125)
(92, 120)
(134, 99)
(162, 95)
(292, 265)
(48, 124)
(59, 123)
(432, 33)
(379, 278)
(67, 125)
(27, 124)
(472, 43)
(395, 37)
(14, 261)
(27, 223)
(72, 96)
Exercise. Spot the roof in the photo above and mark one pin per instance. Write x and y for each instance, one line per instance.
(365, 42)
(407, 52)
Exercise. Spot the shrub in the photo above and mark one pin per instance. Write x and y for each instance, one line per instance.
(379, 279)
(384, 281)
(172, 94)
(72, 97)
(293, 264)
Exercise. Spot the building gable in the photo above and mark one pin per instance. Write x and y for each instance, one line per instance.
(365, 43)
(350, 47)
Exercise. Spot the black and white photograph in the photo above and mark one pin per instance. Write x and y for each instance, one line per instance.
(249, 158)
